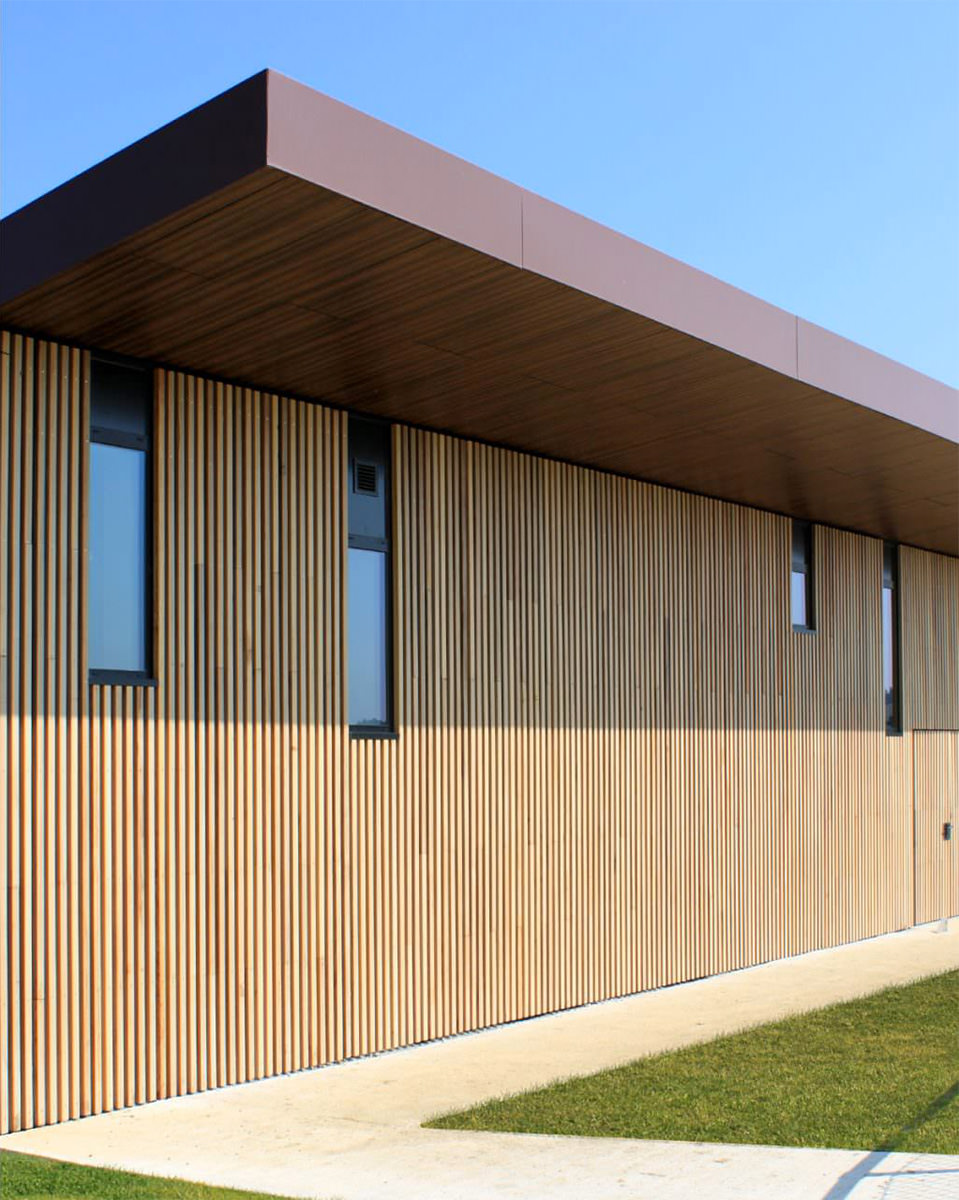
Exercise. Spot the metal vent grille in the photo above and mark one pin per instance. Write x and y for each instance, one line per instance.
(364, 478)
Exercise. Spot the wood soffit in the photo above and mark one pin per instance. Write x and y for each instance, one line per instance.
(278, 238)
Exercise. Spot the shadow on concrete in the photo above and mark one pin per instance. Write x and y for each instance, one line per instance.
(867, 1168)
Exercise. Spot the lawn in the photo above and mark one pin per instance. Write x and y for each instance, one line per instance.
(47, 1179)
(878, 1073)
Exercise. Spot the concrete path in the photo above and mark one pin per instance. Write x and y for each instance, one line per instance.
(353, 1130)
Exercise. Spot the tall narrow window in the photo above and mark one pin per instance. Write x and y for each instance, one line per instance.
(801, 579)
(890, 637)
(120, 602)
(369, 580)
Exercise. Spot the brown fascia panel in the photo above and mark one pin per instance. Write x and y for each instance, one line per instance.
(272, 121)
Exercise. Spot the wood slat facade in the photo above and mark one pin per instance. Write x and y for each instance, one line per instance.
(617, 767)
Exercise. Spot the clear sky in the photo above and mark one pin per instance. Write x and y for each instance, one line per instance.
(807, 152)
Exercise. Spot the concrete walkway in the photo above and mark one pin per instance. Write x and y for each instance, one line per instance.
(353, 1130)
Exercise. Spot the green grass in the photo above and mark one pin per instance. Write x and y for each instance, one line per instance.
(879, 1073)
(48, 1179)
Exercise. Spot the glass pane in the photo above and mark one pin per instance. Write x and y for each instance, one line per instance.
(117, 636)
(367, 637)
(799, 598)
(888, 654)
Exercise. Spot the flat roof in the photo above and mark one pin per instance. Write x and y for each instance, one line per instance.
(279, 238)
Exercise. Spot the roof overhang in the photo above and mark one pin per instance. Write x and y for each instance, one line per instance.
(278, 238)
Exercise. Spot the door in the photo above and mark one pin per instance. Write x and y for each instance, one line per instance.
(936, 782)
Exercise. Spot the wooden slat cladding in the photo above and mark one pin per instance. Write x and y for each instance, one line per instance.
(930, 651)
(45, 823)
(170, 883)
(616, 766)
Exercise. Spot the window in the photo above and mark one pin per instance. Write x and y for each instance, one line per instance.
(801, 579)
(369, 581)
(120, 602)
(890, 637)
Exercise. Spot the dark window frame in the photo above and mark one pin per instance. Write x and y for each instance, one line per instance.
(892, 715)
(803, 530)
(381, 433)
(106, 436)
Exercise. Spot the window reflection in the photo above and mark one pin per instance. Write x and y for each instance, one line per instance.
(368, 648)
(888, 654)
(801, 592)
(117, 633)
(799, 615)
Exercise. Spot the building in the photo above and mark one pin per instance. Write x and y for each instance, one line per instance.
(424, 608)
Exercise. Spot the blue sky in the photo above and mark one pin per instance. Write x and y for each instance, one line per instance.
(807, 152)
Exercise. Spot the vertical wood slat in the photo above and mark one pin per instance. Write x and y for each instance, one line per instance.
(616, 768)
